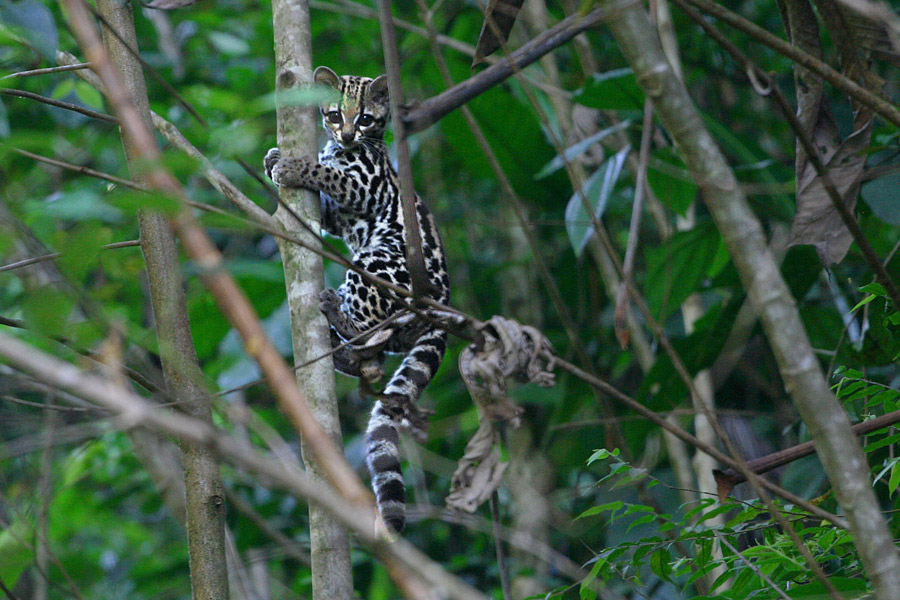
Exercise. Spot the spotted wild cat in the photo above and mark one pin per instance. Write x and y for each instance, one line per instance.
(360, 200)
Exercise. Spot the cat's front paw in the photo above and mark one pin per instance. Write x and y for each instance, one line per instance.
(272, 157)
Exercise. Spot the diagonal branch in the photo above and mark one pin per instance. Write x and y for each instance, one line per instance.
(423, 114)
(881, 106)
(415, 260)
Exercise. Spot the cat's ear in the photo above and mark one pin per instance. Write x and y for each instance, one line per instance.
(378, 91)
(325, 76)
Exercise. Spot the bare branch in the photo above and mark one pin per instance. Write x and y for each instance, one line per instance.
(39, 259)
(881, 106)
(421, 115)
(59, 104)
(415, 260)
(35, 72)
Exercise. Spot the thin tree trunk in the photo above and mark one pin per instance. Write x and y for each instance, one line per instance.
(303, 273)
(205, 516)
(844, 462)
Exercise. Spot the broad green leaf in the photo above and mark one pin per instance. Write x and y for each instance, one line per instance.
(676, 268)
(670, 181)
(16, 552)
(611, 507)
(894, 480)
(35, 21)
(576, 150)
(613, 90)
(598, 189)
(47, 311)
(80, 248)
(881, 196)
(4, 120)
(602, 454)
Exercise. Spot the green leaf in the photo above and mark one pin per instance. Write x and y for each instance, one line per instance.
(676, 268)
(36, 22)
(613, 90)
(602, 454)
(80, 248)
(89, 95)
(881, 196)
(227, 43)
(670, 182)
(47, 311)
(576, 150)
(4, 121)
(131, 201)
(611, 507)
(894, 480)
(16, 552)
(598, 189)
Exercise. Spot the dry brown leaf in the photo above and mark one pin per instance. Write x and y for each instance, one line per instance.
(817, 221)
(504, 349)
(503, 13)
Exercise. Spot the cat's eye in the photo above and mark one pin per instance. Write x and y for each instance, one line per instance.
(365, 120)
(333, 116)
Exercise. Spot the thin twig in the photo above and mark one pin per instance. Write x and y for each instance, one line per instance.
(39, 259)
(634, 229)
(724, 541)
(502, 566)
(415, 260)
(59, 104)
(429, 111)
(845, 84)
(81, 169)
(47, 70)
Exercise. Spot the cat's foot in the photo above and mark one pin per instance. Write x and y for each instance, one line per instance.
(272, 157)
(408, 415)
(329, 302)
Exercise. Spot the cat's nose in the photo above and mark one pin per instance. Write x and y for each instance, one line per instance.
(347, 136)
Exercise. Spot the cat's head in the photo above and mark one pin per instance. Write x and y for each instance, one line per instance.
(362, 111)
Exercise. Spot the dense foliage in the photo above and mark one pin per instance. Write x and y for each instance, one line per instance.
(594, 503)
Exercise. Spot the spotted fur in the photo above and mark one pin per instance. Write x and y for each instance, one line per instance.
(360, 200)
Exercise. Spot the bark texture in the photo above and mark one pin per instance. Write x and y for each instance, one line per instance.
(838, 449)
(205, 514)
(303, 274)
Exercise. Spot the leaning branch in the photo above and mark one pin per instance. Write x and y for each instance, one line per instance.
(426, 113)
(415, 260)
(881, 106)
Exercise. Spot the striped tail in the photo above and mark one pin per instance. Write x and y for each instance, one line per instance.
(383, 459)
(382, 437)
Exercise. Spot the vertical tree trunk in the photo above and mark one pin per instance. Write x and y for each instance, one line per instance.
(303, 274)
(837, 447)
(205, 520)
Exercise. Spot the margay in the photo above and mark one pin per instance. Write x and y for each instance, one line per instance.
(360, 200)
